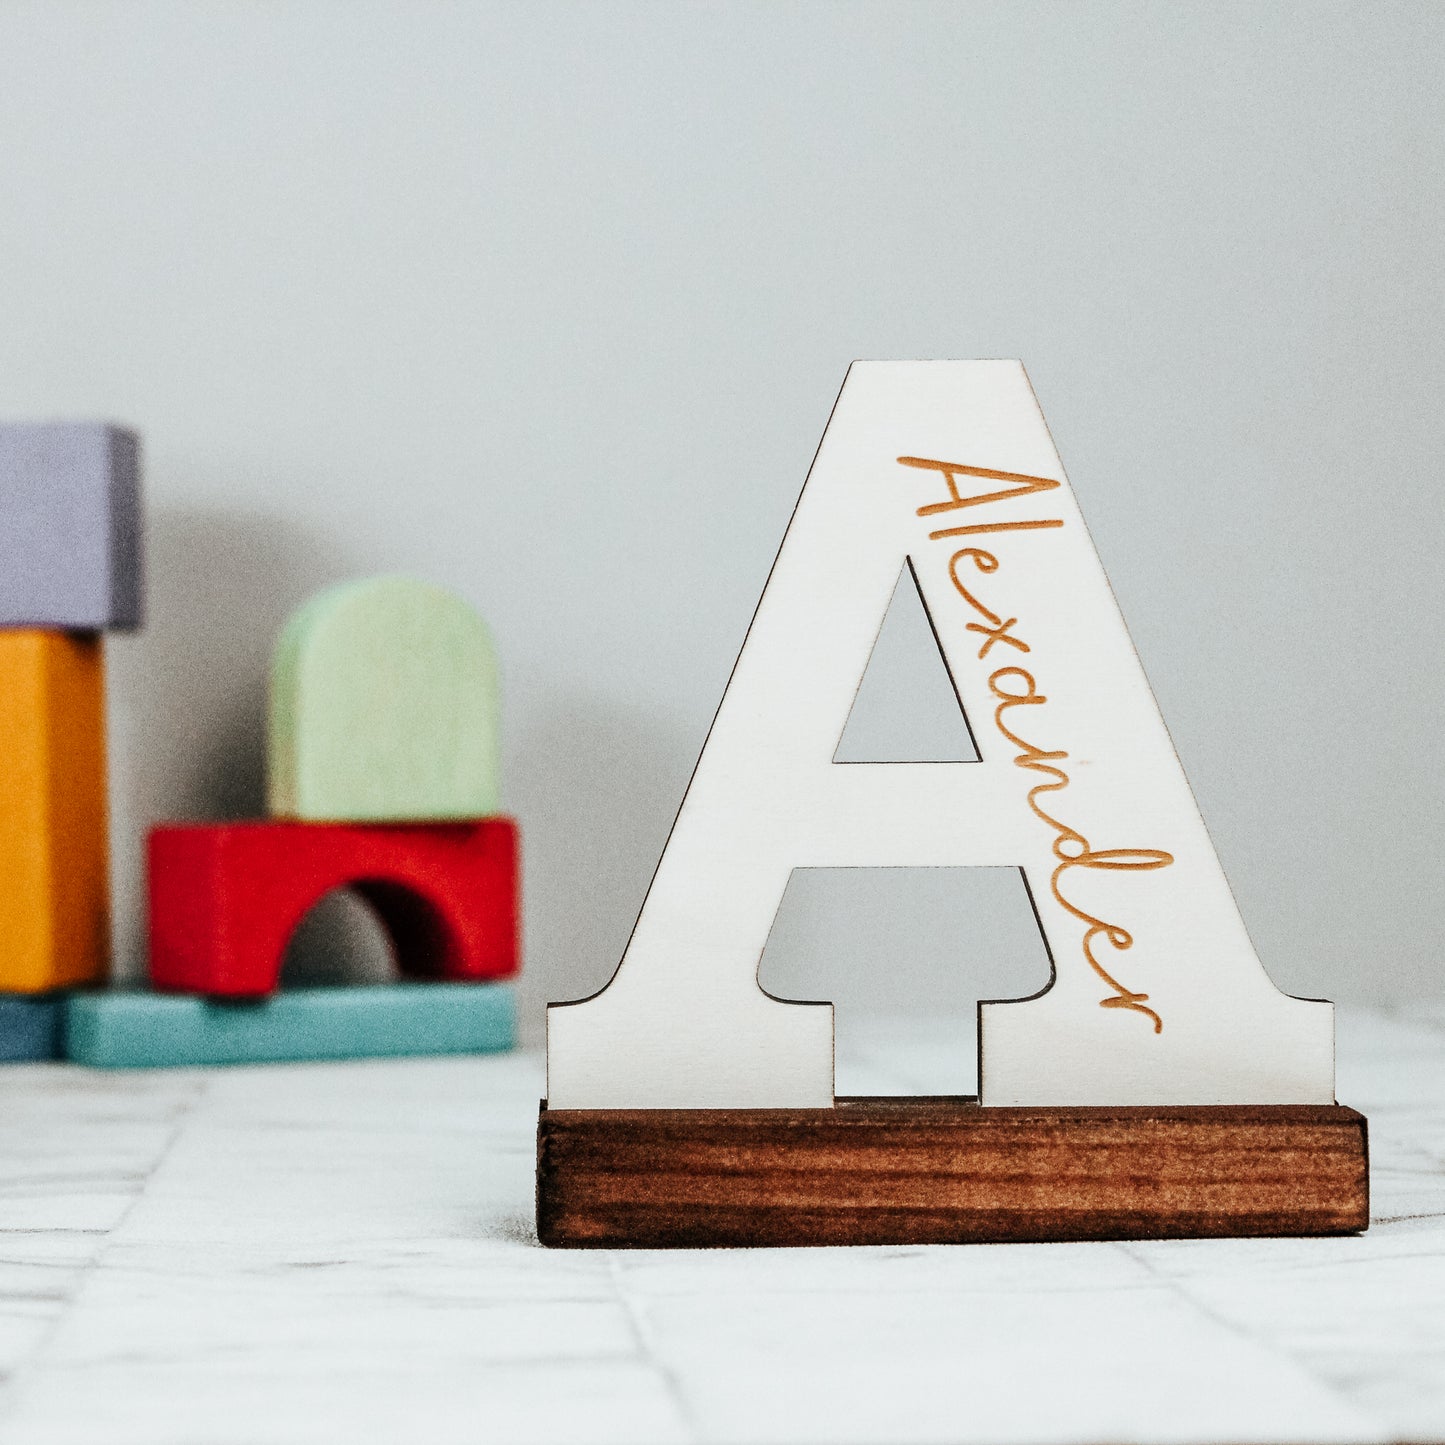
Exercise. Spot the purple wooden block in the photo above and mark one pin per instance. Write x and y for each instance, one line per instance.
(70, 527)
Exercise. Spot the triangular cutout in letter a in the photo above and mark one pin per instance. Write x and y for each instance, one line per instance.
(1157, 997)
(907, 709)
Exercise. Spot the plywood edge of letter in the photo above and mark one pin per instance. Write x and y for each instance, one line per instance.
(946, 1171)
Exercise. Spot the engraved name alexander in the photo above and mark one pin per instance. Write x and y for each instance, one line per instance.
(1014, 686)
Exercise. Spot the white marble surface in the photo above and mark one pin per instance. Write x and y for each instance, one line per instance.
(345, 1253)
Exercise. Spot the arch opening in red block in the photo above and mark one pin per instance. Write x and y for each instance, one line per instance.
(227, 898)
(423, 942)
(339, 942)
(370, 930)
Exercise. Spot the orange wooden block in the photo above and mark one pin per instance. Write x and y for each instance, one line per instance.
(54, 847)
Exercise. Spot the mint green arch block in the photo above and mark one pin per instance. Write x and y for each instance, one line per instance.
(384, 707)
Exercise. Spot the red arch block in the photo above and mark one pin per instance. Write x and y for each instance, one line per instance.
(226, 897)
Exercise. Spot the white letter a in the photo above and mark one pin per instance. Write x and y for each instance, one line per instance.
(1157, 997)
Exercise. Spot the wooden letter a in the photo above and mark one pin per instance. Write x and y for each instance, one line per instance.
(1157, 996)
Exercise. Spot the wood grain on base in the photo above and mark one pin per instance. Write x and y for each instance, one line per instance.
(945, 1171)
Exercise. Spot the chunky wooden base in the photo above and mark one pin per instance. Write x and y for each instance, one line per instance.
(945, 1171)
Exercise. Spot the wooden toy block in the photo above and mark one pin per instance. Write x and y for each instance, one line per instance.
(70, 530)
(54, 845)
(30, 1027)
(384, 706)
(226, 897)
(945, 1171)
(122, 1030)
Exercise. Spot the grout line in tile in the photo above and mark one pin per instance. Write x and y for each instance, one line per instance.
(13, 1382)
(642, 1335)
(1176, 1285)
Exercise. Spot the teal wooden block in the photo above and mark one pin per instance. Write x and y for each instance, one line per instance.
(30, 1027)
(143, 1030)
(384, 707)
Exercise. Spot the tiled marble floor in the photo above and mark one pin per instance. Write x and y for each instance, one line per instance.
(345, 1253)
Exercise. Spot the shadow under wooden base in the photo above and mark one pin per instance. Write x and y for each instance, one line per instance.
(945, 1171)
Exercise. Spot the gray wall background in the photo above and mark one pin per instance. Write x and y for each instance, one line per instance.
(549, 304)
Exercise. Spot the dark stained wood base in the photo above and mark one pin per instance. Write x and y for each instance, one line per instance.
(945, 1171)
